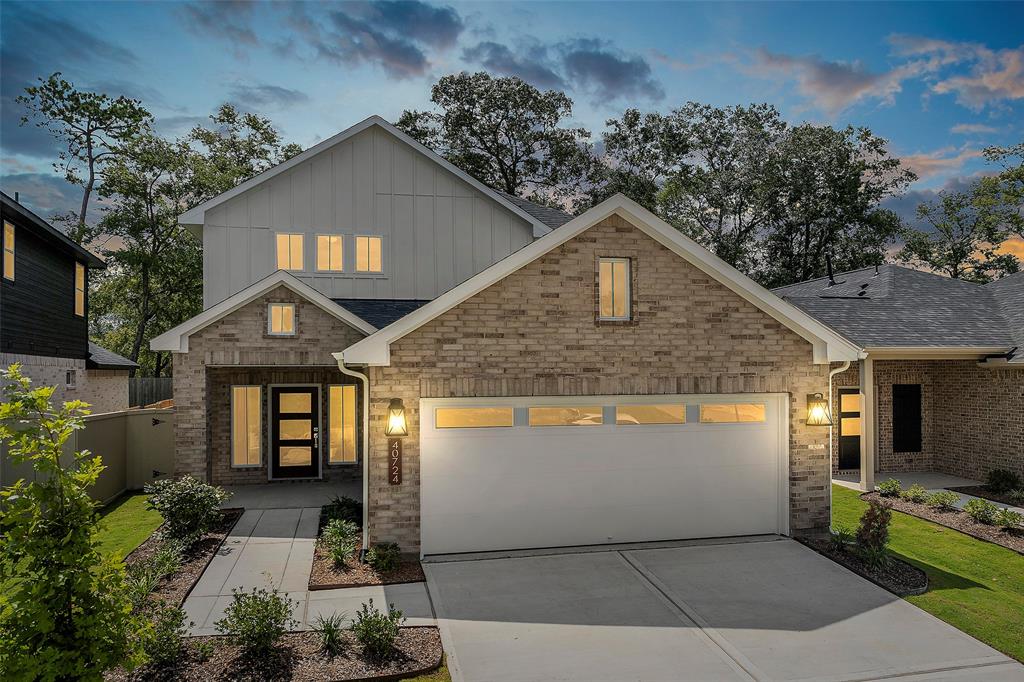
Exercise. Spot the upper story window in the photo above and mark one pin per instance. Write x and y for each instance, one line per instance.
(8, 251)
(368, 254)
(281, 319)
(289, 251)
(613, 286)
(79, 289)
(328, 252)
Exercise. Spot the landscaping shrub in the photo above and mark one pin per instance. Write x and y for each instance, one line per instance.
(331, 630)
(840, 537)
(889, 488)
(1009, 519)
(256, 620)
(342, 539)
(981, 511)
(944, 500)
(376, 630)
(1017, 496)
(346, 509)
(915, 493)
(1002, 481)
(873, 533)
(164, 648)
(384, 557)
(144, 575)
(188, 506)
(65, 612)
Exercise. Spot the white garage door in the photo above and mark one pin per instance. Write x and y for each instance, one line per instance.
(514, 473)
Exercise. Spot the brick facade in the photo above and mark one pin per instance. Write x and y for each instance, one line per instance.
(972, 418)
(106, 390)
(535, 333)
(237, 348)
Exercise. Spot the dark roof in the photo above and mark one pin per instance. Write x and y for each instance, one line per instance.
(552, 217)
(50, 233)
(380, 312)
(101, 358)
(900, 306)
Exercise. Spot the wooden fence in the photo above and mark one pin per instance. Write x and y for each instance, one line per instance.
(144, 391)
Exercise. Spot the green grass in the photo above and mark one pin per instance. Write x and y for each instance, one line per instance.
(439, 675)
(973, 585)
(125, 523)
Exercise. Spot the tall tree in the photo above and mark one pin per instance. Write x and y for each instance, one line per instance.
(1004, 191)
(91, 126)
(505, 133)
(963, 238)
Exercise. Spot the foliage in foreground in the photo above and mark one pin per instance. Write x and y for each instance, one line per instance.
(873, 534)
(345, 508)
(981, 511)
(377, 630)
(331, 630)
(1002, 481)
(342, 539)
(66, 612)
(384, 557)
(889, 488)
(190, 507)
(256, 620)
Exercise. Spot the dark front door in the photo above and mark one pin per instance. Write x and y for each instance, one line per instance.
(849, 428)
(294, 432)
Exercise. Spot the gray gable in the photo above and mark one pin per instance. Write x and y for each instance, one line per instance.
(897, 306)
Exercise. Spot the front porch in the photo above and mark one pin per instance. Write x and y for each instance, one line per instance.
(289, 495)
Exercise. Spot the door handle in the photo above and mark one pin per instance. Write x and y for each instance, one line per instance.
(316, 436)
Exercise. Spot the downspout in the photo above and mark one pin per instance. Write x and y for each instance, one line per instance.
(365, 380)
(838, 370)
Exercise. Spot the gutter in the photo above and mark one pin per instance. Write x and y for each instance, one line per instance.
(365, 381)
(831, 427)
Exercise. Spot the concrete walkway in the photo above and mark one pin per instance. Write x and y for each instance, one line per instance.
(769, 609)
(930, 480)
(287, 495)
(273, 549)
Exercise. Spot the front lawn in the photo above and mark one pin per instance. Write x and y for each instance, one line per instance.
(975, 586)
(125, 523)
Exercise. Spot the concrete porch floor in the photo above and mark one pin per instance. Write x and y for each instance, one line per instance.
(931, 481)
(290, 495)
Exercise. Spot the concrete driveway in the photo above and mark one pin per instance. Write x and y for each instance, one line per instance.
(764, 609)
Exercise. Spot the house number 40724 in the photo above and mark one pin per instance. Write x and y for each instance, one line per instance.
(395, 461)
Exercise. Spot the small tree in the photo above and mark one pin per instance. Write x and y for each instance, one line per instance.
(66, 613)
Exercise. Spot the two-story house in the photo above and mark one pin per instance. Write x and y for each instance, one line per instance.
(44, 313)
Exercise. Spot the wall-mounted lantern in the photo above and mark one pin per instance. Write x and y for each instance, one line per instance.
(817, 410)
(396, 426)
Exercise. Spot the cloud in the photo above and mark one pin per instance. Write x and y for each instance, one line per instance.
(940, 161)
(266, 95)
(393, 35)
(971, 128)
(905, 206)
(45, 194)
(832, 86)
(532, 64)
(34, 44)
(227, 20)
(597, 66)
(172, 126)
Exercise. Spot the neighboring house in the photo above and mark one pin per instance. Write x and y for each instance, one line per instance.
(563, 380)
(44, 313)
(942, 384)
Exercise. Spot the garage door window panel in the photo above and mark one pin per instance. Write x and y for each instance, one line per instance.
(473, 417)
(732, 413)
(650, 414)
(569, 415)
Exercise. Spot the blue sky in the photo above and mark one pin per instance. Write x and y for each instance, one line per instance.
(939, 80)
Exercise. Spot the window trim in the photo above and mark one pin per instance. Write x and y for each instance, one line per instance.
(659, 404)
(80, 267)
(595, 403)
(70, 379)
(763, 404)
(270, 319)
(357, 445)
(302, 251)
(355, 255)
(231, 455)
(628, 291)
(510, 408)
(6, 248)
(341, 243)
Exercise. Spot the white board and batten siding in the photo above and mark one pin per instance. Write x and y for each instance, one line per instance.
(437, 230)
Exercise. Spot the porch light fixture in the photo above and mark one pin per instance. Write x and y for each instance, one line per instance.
(396, 426)
(817, 410)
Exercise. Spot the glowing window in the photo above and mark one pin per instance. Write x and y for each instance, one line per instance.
(650, 414)
(289, 251)
(79, 290)
(246, 407)
(328, 252)
(342, 424)
(727, 413)
(472, 417)
(570, 415)
(368, 254)
(8, 250)
(281, 319)
(613, 286)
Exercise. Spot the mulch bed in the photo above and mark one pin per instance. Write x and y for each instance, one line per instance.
(982, 491)
(300, 658)
(174, 588)
(327, 575)
(957, 520)
(897, 576)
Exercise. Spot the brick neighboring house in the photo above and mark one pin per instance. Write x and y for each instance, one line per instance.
(943, 371)
(499, 374)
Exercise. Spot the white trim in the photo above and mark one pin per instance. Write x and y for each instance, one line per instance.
(302, 250)
(355, 253)
(828, 345)
(270, 319)
(316, 252)
(176, 339)
(934, 352)
(197, 216)
(318, 455)
(231, 455)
